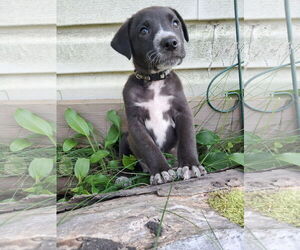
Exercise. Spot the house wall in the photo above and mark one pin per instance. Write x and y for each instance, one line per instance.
(71, 38)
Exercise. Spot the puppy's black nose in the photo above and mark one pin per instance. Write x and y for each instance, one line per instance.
(169, 43)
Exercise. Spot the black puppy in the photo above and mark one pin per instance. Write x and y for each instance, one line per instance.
(159, 118)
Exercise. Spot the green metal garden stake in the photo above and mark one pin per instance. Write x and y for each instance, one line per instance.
(292, 60)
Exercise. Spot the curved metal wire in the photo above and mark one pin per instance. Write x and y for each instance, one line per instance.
(232, 93)
(284, 107)
(294, 96)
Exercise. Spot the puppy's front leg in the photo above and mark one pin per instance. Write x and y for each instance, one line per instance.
(143, 146)
(189, 165)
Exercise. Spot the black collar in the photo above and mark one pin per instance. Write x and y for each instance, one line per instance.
(152, 77)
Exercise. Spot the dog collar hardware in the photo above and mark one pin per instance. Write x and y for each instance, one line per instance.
(152, 77)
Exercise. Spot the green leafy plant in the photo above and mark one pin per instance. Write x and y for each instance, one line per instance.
(32, 123)
(129, 161)
(69, 144)
(26, 159)
(19, 144)
(95, 169)
(99, 155)
(97, 166)
(81, 126)
(219, 153)
(40, 170)
(207, 138)
(81, 169)
(262, 154)
(114, 132)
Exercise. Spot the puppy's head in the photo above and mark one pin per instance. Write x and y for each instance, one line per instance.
(154, 37)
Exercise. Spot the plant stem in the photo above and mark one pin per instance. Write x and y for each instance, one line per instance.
(91, 143)
(52, 140)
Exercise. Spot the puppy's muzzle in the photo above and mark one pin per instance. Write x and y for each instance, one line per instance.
(169, 43)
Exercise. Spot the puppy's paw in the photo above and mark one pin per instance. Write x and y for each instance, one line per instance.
(187, 172)
(163, 177)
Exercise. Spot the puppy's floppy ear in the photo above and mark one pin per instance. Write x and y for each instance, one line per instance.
(121, 40)
(184, 29)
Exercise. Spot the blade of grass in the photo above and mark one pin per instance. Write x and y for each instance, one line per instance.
(195, 225)
(162, 218)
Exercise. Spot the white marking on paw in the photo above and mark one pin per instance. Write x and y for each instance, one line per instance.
(158, 179)
(202, 170)
(172, 173)
(157, 107)
(179, 173)
(186, 173)
(166, 177)
(151, 180)
(196, 171)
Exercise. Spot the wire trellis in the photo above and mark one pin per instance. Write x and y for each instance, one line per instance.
(293, 96)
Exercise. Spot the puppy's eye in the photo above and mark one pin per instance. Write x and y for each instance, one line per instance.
(144, 31)
(176, 23)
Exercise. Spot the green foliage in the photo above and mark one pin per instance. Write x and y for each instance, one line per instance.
(65, 166)
(129, 161)
(69, 144)
(206, 137)
(114, 164)
(217, 160)
(81, 169)
(19, 144)
(97, 182)
(99, 155)
(40, 168)
(262, 154)
(114, 132)
(218, 153)
(290, 158)
(33, 160)
(76, 122)
(239, 158)
(261, 160)
(94, 169)
(171, 159)
(251, 138)
(15, 165)
(96, 166)
(46, 186)
(114, 118)
(82, 127)
(32, 123)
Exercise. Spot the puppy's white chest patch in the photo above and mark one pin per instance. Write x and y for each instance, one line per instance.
(156, 108)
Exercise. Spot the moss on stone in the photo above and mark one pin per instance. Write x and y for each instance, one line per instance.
(282, 205)
(229, 204)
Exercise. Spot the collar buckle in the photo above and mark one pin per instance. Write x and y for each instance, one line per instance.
(152, 77)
